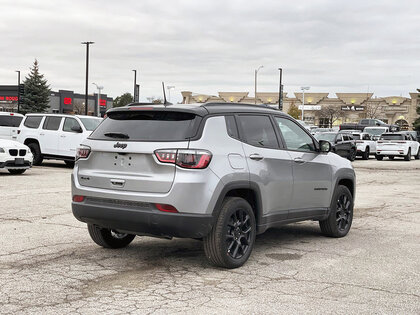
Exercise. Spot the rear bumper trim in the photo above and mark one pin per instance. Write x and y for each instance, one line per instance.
(143, 221)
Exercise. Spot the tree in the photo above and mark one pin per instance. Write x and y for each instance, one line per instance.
(416, 124)
(37, 92)
(294, 111)
(372, 109)
(123, 100)
(79, 106)
(330, 112)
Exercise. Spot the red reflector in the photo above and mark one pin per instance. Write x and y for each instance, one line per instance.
(77, 198)
(165, 208)
(11, 114)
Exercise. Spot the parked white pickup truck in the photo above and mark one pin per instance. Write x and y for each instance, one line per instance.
(55, 136)
(397, 144)
(364, 143)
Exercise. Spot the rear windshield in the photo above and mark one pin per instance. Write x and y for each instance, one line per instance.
(10, 121)
(392, 137)
(147, 126)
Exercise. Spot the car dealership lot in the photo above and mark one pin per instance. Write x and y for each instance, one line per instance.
(49, 264)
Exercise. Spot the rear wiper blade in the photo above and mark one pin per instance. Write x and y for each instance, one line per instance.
(118, 135)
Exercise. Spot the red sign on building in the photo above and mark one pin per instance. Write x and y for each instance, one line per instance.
(67, 101)
(102, 102)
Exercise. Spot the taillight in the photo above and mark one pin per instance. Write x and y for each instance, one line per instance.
(165, 208)
(186, 158)
(77, 198)
(82, 152)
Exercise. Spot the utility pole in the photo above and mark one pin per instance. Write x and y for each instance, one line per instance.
(18, 72)
(281, 91)
(255, 82)
(87, 74)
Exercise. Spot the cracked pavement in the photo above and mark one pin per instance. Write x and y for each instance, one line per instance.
(49, 265)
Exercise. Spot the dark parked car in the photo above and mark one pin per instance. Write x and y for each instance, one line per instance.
(342, 144)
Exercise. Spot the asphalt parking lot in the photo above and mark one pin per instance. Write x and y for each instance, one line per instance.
(49, 265)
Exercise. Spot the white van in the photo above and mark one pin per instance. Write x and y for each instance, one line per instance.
(9, 123)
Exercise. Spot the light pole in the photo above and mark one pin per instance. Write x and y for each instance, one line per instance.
(18, 72)
(303, 88)
(169, 88)
(87, 74)
(280, 91)
(255, 82)
(99, 98)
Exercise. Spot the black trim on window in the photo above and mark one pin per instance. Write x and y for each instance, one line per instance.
(241, 131)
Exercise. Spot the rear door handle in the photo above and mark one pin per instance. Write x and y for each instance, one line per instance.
(256, 157)
(62, 136)
(299, 160)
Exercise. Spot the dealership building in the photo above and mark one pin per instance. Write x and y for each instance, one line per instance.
(62, 101)
(349, 107)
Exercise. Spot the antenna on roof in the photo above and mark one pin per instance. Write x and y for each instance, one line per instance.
(164, 94)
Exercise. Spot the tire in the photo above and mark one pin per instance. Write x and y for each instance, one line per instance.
(230, 242)
(108, 238)
(391, 157)
(36, 152)
(417, 156)
(352, 155)
(16, 172)
(408, 156)
(69, 163)
(379, 157)
(365, 155)
(339, 220)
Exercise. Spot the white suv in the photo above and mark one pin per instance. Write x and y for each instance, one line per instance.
(55, 136)
(9, 123)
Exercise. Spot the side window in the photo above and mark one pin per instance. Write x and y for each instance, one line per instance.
(51, 123)
(294, 136)
(257, 130)
(33, 121)
(339, 138)
(364, 122)
(70, 123)
(346, 138)
(231, 127)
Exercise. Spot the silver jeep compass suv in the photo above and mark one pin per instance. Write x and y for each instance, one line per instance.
(222, 173)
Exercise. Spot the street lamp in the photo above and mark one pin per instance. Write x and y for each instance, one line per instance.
(304, 88)
(87, 74)
(99, 98)
(255, 82)
(169, 88)
(18, 72)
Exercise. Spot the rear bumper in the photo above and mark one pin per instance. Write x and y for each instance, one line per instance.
(391, 152)
(143, 221)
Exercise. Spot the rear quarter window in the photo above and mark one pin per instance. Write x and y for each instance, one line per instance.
(32, 121)
(142, 125)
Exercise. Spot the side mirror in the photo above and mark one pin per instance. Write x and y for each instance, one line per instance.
(77, 129)
(324, 146)
(378, 124)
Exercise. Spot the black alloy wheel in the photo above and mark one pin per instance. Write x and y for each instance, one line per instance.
(231, 240)
(340, 217)
(343, 213)
(239, 235)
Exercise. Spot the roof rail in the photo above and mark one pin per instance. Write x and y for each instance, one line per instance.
(238, 104)
(142, 104)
